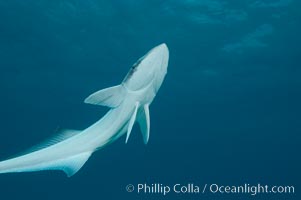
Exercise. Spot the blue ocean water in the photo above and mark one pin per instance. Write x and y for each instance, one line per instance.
(228, 112)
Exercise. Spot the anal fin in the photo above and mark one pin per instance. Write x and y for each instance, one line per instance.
(69, 165)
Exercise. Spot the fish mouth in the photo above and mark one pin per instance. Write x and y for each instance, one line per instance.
(162, 49)
(164, 52)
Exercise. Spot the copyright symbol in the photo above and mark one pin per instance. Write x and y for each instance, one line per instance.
(130, 188)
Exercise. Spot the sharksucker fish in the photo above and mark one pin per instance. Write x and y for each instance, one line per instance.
(128, 102)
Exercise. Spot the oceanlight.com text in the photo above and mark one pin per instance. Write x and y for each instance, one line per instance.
(192, 188)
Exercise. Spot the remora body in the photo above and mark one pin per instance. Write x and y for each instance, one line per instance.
(129, 102)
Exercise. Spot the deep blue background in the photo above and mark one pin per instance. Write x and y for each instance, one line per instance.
(227, 113)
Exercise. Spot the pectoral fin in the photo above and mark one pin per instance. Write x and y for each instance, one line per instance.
(111, 97)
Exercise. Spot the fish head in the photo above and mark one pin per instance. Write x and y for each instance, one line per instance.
(148, 70)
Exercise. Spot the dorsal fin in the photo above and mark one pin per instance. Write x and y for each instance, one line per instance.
(132, 122)
(58, 137)
(144, 122)
(111, 97)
